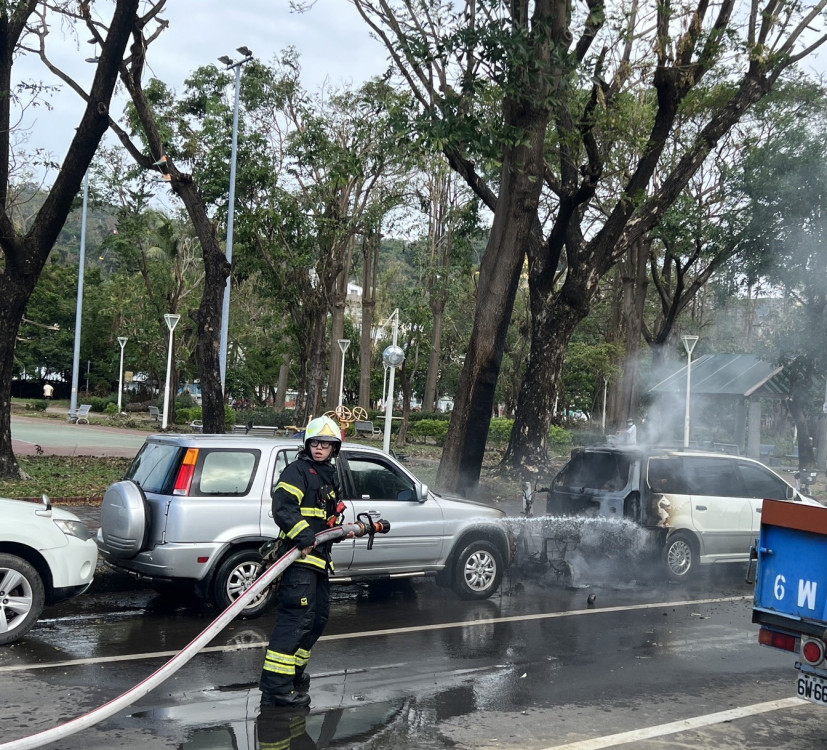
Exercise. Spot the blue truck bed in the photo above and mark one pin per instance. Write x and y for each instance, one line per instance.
(791, 580)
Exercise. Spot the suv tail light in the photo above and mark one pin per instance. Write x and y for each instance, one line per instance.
(184, 479)
(812, 651)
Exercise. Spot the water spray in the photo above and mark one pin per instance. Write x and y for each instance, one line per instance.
(364, 525)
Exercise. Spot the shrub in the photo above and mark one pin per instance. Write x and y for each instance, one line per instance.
(37, 404)
(98, 403)
(111, 408)
(559, 437)
(499, 433)
(429, 428)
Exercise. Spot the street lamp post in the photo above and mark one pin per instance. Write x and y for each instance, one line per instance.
(225, 308)
(122, 341)
(343, 345)
(392, 357)
(688, 344)
(73, 399)
(171, 321)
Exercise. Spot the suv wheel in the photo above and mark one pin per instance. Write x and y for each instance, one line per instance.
(22, 597)
(478, 570)
(680, 556)
(235, 575)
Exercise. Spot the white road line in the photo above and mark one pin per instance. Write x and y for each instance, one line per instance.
(684, 725)
(384, 632)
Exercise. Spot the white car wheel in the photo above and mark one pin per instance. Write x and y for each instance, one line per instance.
(22, 597)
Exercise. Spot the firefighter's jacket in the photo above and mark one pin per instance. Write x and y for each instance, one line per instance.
(304, 503)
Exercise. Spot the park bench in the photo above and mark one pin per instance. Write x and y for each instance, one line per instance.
(768, 453)
(256, 430)
(197, 425)
(729, 448)
(82, 414)
(155, 413)
(365, 429)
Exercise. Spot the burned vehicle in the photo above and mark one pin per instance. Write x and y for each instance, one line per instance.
(702, 508)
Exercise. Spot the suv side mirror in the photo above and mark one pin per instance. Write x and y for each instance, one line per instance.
(423, 493)
(790, 493)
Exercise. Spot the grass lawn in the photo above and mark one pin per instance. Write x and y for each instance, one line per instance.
(79, 477)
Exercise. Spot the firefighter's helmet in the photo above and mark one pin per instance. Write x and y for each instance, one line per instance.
(325, 430)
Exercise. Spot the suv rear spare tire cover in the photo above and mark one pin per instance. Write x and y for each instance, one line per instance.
(124, 519)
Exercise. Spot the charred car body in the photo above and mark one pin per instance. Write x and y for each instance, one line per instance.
(702, 508)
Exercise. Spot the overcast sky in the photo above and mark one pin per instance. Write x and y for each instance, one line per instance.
(331, 38)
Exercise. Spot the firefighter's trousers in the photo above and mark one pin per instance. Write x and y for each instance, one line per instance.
(303, 606)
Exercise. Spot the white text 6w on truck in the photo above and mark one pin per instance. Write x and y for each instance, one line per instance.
(791, 590)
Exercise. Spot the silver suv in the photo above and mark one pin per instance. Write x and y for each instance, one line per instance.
(193, 511)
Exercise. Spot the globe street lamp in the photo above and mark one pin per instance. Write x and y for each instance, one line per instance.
(343, 345)
(225, 307)
(688, 344)
(73, 399)
(122, 341)
(392, 357)
(171, 321)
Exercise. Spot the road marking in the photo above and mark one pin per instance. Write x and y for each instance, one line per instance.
(384, 632)
(684, 725)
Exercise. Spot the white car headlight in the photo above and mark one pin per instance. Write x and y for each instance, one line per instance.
(74, 528)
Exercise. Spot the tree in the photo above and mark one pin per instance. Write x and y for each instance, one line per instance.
(612, 87)
(25, 251)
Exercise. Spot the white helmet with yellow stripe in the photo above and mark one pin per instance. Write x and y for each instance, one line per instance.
(325, 430)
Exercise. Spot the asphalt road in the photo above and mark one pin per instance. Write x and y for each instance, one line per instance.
(411, 667)
(34, 436)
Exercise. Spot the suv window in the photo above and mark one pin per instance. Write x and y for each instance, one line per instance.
(155, 466)
(376, 480)
(762, 483)
(714, 477)
(227, 472)
(606, 471)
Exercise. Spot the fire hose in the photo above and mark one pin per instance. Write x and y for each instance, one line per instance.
(359, 528)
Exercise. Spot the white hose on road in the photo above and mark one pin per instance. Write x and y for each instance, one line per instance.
(182, 657)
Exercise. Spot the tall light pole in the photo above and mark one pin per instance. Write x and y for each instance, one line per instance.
(392, 357)
(171, 321)
(225, 308)
(122, 341)
(73, 399)
(688, 344)
(343, 345)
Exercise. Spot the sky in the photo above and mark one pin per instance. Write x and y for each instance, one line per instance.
(332, 40)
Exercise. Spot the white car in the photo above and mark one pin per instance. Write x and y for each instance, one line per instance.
(47, 555)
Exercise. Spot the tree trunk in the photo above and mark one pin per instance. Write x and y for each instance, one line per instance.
(26, 255)
(281, 389)
(634, 274)
(371, 243)
(514, 219)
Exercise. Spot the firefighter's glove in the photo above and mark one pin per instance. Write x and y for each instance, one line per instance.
(270, 551)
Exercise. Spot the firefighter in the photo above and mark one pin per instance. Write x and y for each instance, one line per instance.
(305, 501)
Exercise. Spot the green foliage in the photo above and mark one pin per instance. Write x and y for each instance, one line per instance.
(559, 437)
(435, 429)
(37, 404)
(99, 403)
(111, 408)
(499, 433)
(185, 415)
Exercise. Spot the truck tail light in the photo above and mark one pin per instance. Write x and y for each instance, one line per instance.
(812, 651)
(184, 479)
(776, 640)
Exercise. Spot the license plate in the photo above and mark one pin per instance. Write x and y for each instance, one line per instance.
(811, 688)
